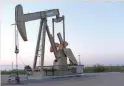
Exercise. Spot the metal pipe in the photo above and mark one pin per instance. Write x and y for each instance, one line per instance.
(53, 29)
(79, 59)
(63, 28)
(51, 41)
(60, 37)
(12, 65)
(43, 44)
(17, 64)
(16, 48)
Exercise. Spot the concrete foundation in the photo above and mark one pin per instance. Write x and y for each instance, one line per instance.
(61, 64)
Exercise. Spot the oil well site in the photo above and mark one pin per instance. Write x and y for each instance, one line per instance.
(66, 69)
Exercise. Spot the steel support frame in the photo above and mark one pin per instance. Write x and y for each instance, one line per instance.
(41, 39)
(37, 46)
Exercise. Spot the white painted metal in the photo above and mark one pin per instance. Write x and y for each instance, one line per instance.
(21, 18)
(61, 55)
(19, 22)
(79, 68)
(38, 45)
(39, 15)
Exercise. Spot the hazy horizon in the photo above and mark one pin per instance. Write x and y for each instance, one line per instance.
(93, 30)
(9, 67)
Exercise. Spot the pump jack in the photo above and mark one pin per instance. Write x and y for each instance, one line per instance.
(60, 54)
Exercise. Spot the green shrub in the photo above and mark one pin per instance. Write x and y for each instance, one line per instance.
(88, 69)
(102, 68)
(99, 68)
(13, 71)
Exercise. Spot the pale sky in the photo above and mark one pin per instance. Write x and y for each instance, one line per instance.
(93, 30)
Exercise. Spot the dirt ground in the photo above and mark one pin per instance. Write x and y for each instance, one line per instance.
(91, 79)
